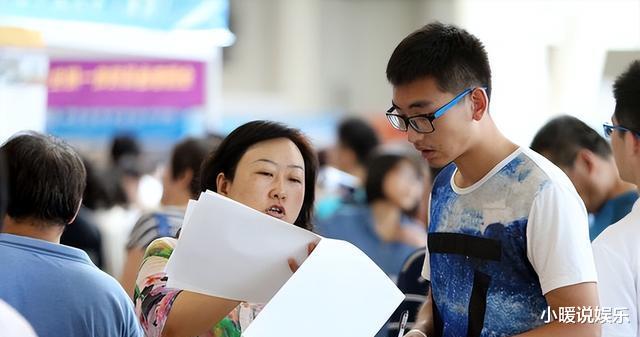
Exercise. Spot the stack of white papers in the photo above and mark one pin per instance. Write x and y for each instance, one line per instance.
(229, 250)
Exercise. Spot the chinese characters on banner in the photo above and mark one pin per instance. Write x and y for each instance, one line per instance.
(158, 101)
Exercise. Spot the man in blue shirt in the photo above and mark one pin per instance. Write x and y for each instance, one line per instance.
(12, 323)
(55, 287)
(587, 160)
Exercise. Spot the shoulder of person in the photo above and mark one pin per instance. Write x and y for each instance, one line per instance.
(162, 247)
(550, 172)
(624, 234)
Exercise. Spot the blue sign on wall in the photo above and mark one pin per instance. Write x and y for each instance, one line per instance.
(151, 14)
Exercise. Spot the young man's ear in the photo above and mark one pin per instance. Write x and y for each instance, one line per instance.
(634, 141)
(480, 102)
(222, 184)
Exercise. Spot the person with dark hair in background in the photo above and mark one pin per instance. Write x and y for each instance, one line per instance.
(83, 233)
(180, 182)
(356, 141)
(122, 147)
(382, 228)
(126, 169)
(587, 160)
(12, 323)
(508, 234)
(46, 183)
(264, 165)
(617, 249)
(410, 280)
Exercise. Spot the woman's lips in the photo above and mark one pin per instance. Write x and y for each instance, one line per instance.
(276, 211)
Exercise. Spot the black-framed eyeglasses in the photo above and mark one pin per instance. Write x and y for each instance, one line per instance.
(608, 129)
(422, 123)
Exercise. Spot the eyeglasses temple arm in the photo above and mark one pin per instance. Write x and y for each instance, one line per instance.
(453, 102)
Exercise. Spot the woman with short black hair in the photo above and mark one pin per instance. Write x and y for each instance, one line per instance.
(264, 165)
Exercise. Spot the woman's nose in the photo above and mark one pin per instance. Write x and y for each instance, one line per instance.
(278, 189)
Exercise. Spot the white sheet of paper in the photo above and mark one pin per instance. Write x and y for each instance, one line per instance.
(229, 250)
(187, 213)
(338, 291)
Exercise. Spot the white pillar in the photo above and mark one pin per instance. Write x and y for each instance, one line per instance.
(299, 52)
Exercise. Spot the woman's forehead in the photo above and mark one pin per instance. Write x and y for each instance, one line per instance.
(279, 151)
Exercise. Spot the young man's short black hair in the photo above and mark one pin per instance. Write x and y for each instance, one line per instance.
(189, 155)
(46, 178)
(562, 137)
(626, 91)
(359, 136)
(456, 59)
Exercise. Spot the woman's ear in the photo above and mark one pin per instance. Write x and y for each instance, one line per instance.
(222, 184)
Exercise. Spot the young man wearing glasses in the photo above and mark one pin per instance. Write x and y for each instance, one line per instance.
(587, 159)
(617, 249)
(508, 242)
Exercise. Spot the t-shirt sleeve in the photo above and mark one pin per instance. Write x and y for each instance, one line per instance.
(558, 245)
(153, 299)
(616, 287)
(143, 232)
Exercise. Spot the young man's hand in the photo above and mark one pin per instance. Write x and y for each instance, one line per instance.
(415, 333)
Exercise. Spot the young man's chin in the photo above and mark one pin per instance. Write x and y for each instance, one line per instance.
(438, 164)
(436, 159)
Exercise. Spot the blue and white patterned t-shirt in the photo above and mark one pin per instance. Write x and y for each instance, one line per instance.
(495, 248)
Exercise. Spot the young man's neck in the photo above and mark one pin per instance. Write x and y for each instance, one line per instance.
(482, 157)
(33, 229)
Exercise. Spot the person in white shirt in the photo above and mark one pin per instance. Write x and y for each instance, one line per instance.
(617, 249)
(13, 324)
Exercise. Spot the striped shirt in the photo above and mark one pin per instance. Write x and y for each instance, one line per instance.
(161, 223)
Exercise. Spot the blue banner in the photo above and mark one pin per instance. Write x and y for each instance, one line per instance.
(151, 14)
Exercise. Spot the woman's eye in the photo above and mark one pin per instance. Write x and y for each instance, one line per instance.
(267, 174)
(296, 180)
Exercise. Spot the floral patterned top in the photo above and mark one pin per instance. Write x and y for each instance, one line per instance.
(153, 299)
